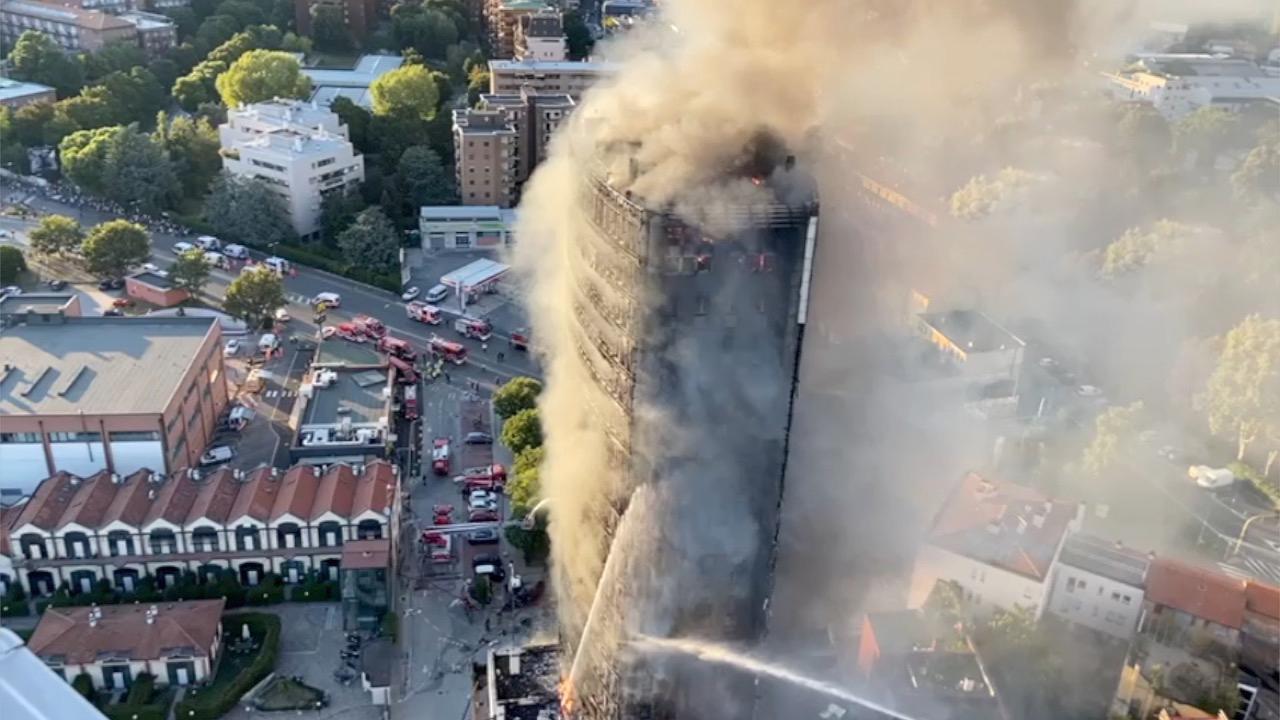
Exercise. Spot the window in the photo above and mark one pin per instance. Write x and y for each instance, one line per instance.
(1115, 597)
(1071, 584)
(19, 438)
(67, 437)
(135, 436)
(1081, 585)
(326, 161)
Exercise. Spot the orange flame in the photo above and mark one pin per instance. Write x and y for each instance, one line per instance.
(568, 698)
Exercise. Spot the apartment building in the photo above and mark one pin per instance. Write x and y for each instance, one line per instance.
(486, 151)
(359, 15)
(112, 7)
(1099, 585)
(87, 394)
(503, 19)
(540, 36)
(535, 117)
(299, 150)
(178, 644)
(1179, 84)
(15, 94)
(157, 34)
(122, 528)
(999, 542)
(506, 77)
(72, 28)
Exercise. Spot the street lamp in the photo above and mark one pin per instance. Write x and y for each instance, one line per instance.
(1244, 529)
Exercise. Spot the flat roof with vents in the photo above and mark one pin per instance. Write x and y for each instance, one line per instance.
(98, 366)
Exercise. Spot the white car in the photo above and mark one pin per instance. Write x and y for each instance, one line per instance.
(152, 268)
(238, 252)
(410, 294)
(482, 500)
(209, 242)
(1089, 391)
(282, 315)
(8, 290)
(232, 348)
(437, 293)
(215, 455)
(332, 299)
(182, 247)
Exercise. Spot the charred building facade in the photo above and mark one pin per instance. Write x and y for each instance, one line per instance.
(691, 333)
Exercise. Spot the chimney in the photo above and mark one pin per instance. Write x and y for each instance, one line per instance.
(151, 494)
(115, 479)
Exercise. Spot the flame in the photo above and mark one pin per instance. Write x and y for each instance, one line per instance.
(568, 698)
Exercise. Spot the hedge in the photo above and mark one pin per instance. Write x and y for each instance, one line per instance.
(15, 608)
(84, 685)
(314, 591)
(216, 700)
(138, 704)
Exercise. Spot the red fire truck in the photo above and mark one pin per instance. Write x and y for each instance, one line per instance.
(397, 347)
(451, 351)
(410, 407)
(474, 328)
(424, 313)
(520, 339)
(405, 373)
(370, 326)
(442, 515)
(345, 331)
(440, 456)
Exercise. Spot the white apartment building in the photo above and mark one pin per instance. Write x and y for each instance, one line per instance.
(122, 529)
(999, 542)
(506, 77)
(1099, 585)
(1177, 85)
(452, 227)
(540, 37)
(299, 150)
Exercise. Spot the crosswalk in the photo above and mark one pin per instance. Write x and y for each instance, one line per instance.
(1246, 567)
(280, 393)
(297, 298)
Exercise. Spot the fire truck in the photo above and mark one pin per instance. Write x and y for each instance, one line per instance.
(442, 515)
(440, 456)
(424, 313)
(439, 546)
(410, 407)
(370, 326)
(345, 331)
(398, 348)
(474, 328)
(451, 351)
(520, 339)
(405, 374)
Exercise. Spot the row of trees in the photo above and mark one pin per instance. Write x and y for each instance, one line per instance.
(111, 248)
(516, 402)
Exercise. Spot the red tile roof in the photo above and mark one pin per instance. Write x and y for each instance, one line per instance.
(1004, 525)
(8, 515)
(255, 495)
(47, 502)
(67, 635)
(131, 500)
(375, 490)
(336, 492)
(89, 504)
(297, 494)
(366, 554)
(1197, 591)
(173, 502)
(216, 497)
(1263, 599)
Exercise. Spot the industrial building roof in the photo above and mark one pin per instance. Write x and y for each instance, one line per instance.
(353, 394)
(367, 69)
(95, 365)
(1107, 559)
(67, 14)
(13, 89)
(40, 302)
(324, 95)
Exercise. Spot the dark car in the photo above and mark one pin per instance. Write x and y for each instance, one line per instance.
(479, 438)
(486, 560)
(56, 284)
(482, 537)
(117, 283)
(104, 285)
(113, 312)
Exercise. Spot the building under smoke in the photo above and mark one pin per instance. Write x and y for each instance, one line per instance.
(690, 330)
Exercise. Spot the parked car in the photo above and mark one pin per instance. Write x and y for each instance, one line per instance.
(56, 284)
(123, 302)
(105, 284)
(482, 500)
(410, 293)
(479, 438)
(182, 247)
(238, 252)
(152, 268)
(209, 242)
(232, 348)
(437, 293)
(331, 299)
(485, 515)
(217, 455)
(8, 290)
(482, 537)
(1211, 478)
(282, 315)
(112, 312)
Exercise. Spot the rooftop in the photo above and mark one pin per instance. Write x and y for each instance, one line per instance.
(1108, 559)
(71, 636)
(92, 365)
(545, 24)
(39, 302)
(353, 355)
(67, 14)
(1192, 66)
(524, 681)
(156, 281)
(1197, 591)
(355, 395)
(29, 690)
(14, 89)
(324, 95)
(367, 69)
(971, 331)
(475, 213)
(366, 554)
(586, 67)
(148, 21)
(1004, 525)
(471, 121)
(289, 144)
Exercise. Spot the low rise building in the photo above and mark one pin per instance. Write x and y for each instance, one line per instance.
(86, 394)
(14, 94)
(506, 77)
(540, 36)
(486, 157)
(298, 150)
(157, 34)
(1099, 585)
(31, 691)
(176, 643)
(15, 308)
(329, 84)
(999, 542)
(155, 289)
(1179, 84)
(519, 683)
(974, 349)
(467, 227)
(72, 28)
(504, 19)
(343, 414)
(366, 588)
(112, 7)
(79, 531)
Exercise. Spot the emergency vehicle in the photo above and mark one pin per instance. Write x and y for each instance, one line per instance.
(520, 339)
(440, 456)
(442, 515)
(410, 407)
(370, 326)
(405, 374)
(424, 313)
(397, 347)
(474, 328)
(345, 331)
(439, 546)
(451, 351)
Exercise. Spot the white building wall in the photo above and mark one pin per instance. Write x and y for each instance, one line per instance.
(545, 49)
(1085, 598)
(987, 587)
(130, 457)
(24, 466)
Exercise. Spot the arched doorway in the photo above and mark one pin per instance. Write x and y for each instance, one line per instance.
(82, 581)
(126, 579)
(41, 583)
(167, 576)
(369, 530)
(252, 573)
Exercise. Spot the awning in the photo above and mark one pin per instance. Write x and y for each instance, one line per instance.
(474, 275)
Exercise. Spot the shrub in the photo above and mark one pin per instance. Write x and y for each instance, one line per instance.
(12, 264)
(15, 608)
(534, 544)
(482, 591)
(217, 699)
(140, 692)
(84, 685)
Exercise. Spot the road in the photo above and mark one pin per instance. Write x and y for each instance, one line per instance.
(357, 298)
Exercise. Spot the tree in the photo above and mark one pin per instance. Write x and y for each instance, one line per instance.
(113, 57)
(192, 144)
(56, 235)
(516, 395)
(337, 212)
(408, 91)
(1205, 133)
(1113, 429)
(37, 58)
(89, 110)
(1162, 241)
(135, 96)
(254, 295)
(1258, 177)
(524, 488)
(577, 36)
(983, 196)
(115, 246)
(423, 179)
(246, 13)
(190, 271)
(371, 241)
(12, 264)
(84, 157)
(246, 212)
(215, 30)
(260, 75)
(1143, 134)
(1243, 396)
(357, 120)
(329, 28)
(119, 163)
(430, 31)
(477, 84)
(522, 431)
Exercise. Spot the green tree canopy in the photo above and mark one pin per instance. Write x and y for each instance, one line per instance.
(983, 196)
(37, 58)
(119, 163)
(337, 212)
(12, 264)
(1205, 133)
(423, 178)
(524, 487)
(192, 144)
(113, 57)
(1258, 177)
(1162, 241)
(371, 241)
(357, 121)
(329, 28)
(115, 246)
(1243, 397)
(408, 90)
(1113, 429)
(517, 394)
(577, 37)
(254, 295)
(260, 75)
(135, 96)
(522, 431)
(247, 212)
(429, 30)
(190, 271)
(56, 235)
(1143, 134)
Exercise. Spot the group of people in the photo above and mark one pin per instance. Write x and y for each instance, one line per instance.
(71, 195)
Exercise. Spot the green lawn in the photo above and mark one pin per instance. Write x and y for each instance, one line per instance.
(288, 694)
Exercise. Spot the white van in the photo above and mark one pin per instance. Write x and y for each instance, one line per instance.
(216, 259)
(208, 242)
(437, 293)
(182, 247)
(278, 264)
(238, 252)
(268, 342)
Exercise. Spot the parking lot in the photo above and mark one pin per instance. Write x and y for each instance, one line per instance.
(267, 436)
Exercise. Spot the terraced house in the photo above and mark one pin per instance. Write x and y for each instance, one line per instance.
(123, 528)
